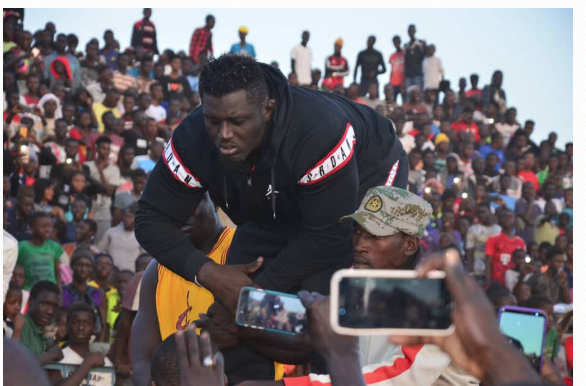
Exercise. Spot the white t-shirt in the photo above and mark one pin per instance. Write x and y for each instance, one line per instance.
(432, 72)
(408, 142)
(507, 131)
(122, 246)
(158, 113)
(303, 57)
(97, 378)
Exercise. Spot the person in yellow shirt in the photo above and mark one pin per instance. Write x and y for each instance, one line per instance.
(110, 103)
(103, 265)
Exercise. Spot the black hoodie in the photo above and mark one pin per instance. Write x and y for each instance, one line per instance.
(323, 152)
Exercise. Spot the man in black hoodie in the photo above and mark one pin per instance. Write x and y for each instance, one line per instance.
(284, 163)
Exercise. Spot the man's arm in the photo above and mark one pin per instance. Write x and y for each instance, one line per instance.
(105, 333)
(358, 64)
(381, 62)
(121, 341)
(80, 374)
(145, 336)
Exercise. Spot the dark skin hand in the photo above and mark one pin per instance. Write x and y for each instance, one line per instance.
(476, 345)
(191, 353)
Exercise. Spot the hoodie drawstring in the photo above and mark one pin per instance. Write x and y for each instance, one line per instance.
(273, 197)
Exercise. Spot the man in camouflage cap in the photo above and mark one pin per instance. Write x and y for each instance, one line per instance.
(388, 226)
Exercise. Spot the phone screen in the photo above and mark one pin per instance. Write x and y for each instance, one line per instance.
(398, 303)
(525, 329)
(268, 310)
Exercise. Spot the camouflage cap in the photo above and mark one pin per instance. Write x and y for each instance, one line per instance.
(386, 210)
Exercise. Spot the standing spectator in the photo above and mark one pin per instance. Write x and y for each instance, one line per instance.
(301, 57)
(414, 107)
(122, 79)
(243, 48)
(373, 99)
(525, 174)
(496, 147)
(500, 248)
(494, 93)
(474, 90)
(110, 104)
(103, 170)
(478, 177)
(502, 197)
(109, 121)
(175, 84)
(527, 212)
(82, 263)
(144, 33)
(135, 137)
(549, 194)
(105, 81)
(110, 52)
(191, 73)
(201, 42)
(433, 70)
(144, 79)
(84, 237)
(91, 64)
(41, 257)
(336, 67)
(125, 199)
(125, 160)
(79, 210)
(546, 228)
(465, 123)
(80, 320)
(120, 242)
(371, 64)
(72, 61)
(476, 239)
(448, 221)
(17, 218)
(13, 319)
(397, 62)
(147, 162)
(155, 110)
(32, 95)
(43, 305)
(414, 55)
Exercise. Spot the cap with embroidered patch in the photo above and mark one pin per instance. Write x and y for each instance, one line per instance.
(386, 210)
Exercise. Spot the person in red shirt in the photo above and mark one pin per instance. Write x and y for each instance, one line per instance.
(32, 96)
(397, 61)
(144, 33)
(201, 41)
(336, 67)
(525, 174)
(500, 248)
(465, 123)
(474, 91)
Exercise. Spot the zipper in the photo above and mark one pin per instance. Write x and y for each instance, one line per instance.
(249, 180)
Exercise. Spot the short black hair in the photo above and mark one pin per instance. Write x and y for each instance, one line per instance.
(164, 364)
(37, 215)
(395, 38)
(103, 254)
(473, 76)
(44, 286)
(209, 17)
(538, 301)
(229, 73)
(81, 307)
(138, 173)
(92, 224)
(103, 139)
(139, 258)
(552, 252)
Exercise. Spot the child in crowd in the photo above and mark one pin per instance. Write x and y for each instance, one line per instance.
(18, 278)
(40, 256)
(13, 319)
(61, 327)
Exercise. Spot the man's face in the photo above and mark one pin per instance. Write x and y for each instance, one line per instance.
(528, 190)
(127, 156)
(210, 23)
(103, 267)
(61, 43)
(146, 66)
(61, 130)
(411, 31)
(83, 232)
(507, 220)
(370, 42)
(78, 209)
(157, 93)
(549, 191)
(498, 79)
(111, 98)
(41, 228)
(145, 101)
(32, 84)
(505, 183)
(478, 165)
(109, 38)
(80, 327)
(91, 50)
(186, 67)
(43, 309)
(236, 124)
(27, 40)
(483, 214)
(128, 220)
(71, 149)
(26, 204)
(123, 61)
(82, 269)
(138, 184)
(557, 263)
(176, 64)
(414, 159)
(147, 13)
(373, 252)
(448, 220)
(157, 150)
(104, 150)
(18, 276)
(108, 120)
(305, 37)
(569, 198)
(128, 103)
(397, 43)
(107, 75)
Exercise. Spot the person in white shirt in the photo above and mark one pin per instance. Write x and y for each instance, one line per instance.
(433, 70)
(120, 242)
(10, 255)
(407, 140)
(509, 127)
(301, 57)
(155, 110)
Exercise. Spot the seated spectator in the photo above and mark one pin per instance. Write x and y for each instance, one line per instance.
(124, 162)
(495, 147)
(82, 264)
(509, 126)
(49, 110)
(373, 99)
(414, 106)
(109, 104)
(41, 257)
(499, 296)
(135, 136)
(84, 237)
(121, 78)
(18, 279)
(510, 168)
(552, 340)
(466, 124)
(17, 218)
(549, 194)
(155, 110)
(501, 247)
(80, 322)
(145, 79)
(79, 211)
(13, 319)
(546, 225)
(175, 115)
(32, 95)
(553, 283)
(43, 305)
(176, 84)
(120, 242)
(448, 221)
(527, 212)
(501, 197)
(476, 239)
(525, 174)
(478, 177)
(125, 199)
(521, 269)
(147, 162)
(103, 266)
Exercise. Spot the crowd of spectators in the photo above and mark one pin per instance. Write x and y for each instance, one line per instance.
(84, 128)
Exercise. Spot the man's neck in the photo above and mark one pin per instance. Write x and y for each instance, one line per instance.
(127, 230)
(37, 242)
(155, 102)
(100, 159)
(82, 349)
(60, 142)
(79, 284)
(509, 233)
(86, 242)
(61, 53)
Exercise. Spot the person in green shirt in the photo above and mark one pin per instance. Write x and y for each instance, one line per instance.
(43, 305)
(552, 341)
(103, 265)
(40, 256)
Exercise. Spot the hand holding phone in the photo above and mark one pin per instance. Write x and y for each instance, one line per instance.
(476, 344)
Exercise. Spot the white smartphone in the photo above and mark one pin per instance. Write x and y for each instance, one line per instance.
(390, 302)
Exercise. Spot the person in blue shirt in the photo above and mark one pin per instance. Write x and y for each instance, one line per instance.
(496, 146)
(502, 198)
(243, 48)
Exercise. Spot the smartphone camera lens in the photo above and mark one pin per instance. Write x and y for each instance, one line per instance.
(342, 311)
